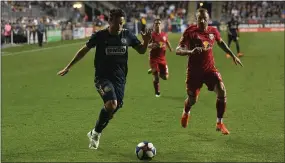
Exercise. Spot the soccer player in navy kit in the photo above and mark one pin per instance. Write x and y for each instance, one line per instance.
(233, 35)
(111, 67)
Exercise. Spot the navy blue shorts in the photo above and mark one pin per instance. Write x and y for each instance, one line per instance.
(232, 37)
(110, 91)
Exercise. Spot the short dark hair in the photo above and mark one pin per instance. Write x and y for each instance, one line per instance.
(157, 19)
(115, 13)
(201, 10)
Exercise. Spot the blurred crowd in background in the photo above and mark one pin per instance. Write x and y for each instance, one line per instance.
(255, 10)
(22, 17)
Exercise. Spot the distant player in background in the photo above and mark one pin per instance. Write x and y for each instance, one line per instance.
(157, 59)
(233, 35)
(40, 31)
(7, 33)
(197, 43)
(111, 67)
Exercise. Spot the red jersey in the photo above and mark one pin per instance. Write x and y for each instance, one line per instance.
(194, 37)
(158, 53)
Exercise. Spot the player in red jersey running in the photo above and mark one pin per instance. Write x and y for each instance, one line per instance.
(157, 59)
(197, 43)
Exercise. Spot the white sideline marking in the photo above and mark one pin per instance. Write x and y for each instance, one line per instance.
(36, 50)
(5, 53)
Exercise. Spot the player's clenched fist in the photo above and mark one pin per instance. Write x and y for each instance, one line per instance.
(63, 72)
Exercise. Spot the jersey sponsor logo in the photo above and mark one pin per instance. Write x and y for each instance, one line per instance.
(206, 45)
(124, 41)
(211, 36)
(164, 38)
(116, 50)
(107, 89)
(161, 44)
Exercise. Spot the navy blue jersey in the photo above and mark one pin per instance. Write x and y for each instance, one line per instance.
(111, 57)
(233, 27)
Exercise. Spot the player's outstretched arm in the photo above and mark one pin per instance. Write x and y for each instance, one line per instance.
(226, 49)
(152, 44)
(79, 55)
(229, 31)
(184, 51)
(237, 30)
(169, 45)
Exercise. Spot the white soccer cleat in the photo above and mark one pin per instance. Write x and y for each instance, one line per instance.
(157, 94)
(94, 138)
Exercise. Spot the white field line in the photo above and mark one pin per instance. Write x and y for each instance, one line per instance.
(36, 50)
(5, 53)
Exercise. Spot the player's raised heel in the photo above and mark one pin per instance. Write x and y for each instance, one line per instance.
(222, 128)
(94, 138)
(240, 55)
(184, 119)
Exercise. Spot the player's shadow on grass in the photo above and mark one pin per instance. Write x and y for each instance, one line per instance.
(174, 98)
(202, 138)
(80, 98)
(126, 154)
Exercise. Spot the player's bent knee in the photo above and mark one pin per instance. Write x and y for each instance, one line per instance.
(222, 93)
(154, 72)
(192, 100)
(155, 78)
(220, 89)
(111, 105)
(164, 77)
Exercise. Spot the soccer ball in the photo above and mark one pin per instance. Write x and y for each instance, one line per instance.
(145, 150)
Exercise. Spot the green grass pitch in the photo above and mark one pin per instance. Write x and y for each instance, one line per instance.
(45, 117)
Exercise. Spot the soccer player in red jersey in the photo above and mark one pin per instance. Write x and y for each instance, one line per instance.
(157, 59)
(197, 43)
